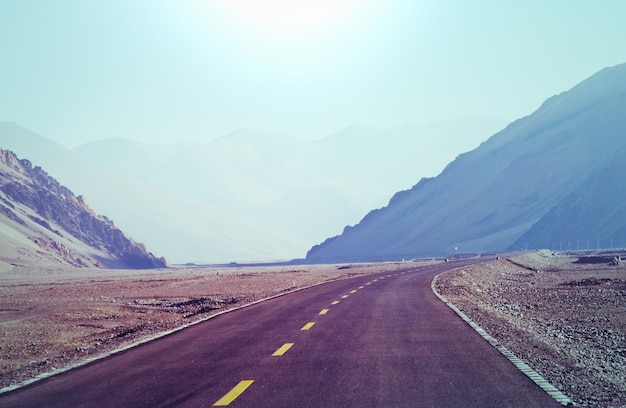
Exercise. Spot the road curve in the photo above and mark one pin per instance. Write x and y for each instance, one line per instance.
(381, 340)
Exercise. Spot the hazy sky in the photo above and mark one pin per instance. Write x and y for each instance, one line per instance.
(167, 70)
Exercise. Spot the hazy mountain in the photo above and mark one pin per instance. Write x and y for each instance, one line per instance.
(43, 222)
(304, 189)
(250, 195)
(172, 225)
(549, 177)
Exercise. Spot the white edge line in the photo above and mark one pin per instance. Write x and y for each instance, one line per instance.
(89, 360)
(517, 362)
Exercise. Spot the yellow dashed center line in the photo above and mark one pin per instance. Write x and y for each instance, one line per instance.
(234, 393)
(307, 326)
(282, 350)
(244, 384)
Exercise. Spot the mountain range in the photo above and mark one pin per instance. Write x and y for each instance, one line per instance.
(251, 195)
(547, 180)
(42, 223)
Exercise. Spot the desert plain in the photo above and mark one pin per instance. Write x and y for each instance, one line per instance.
(567, 320)
(55, 318)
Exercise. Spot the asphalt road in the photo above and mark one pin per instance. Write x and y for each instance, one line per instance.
(374, 341)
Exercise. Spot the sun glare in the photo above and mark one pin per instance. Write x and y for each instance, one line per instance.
(289, 17)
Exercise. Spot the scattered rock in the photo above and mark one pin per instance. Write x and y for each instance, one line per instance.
(567, 322)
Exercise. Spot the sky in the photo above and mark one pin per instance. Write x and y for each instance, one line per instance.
(162, 71)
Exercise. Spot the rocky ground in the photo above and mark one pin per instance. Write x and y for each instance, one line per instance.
(564, 319)
(55, 318)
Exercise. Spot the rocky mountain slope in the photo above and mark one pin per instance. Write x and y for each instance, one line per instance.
(548, 178)
(181, 228)
(43, 222)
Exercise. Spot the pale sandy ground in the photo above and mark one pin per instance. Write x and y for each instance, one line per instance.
(566, 320)
(57, 317)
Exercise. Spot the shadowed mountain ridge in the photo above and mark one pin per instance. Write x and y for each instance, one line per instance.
(500, 195)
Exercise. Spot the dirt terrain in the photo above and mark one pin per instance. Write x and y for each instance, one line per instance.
(54, 318)
(566, 320)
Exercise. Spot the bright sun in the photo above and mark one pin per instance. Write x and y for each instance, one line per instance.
(289, 17)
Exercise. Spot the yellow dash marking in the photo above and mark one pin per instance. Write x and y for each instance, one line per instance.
(345, 296)
(282, 350)
(234, 393)
(361, 287)
(324, 311)
(336, 302)
(307, 326)
(353, 291)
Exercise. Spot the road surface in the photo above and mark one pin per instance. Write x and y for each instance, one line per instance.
(381, 340)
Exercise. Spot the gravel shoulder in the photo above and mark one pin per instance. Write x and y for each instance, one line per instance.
(566, 320)
(54, 318)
